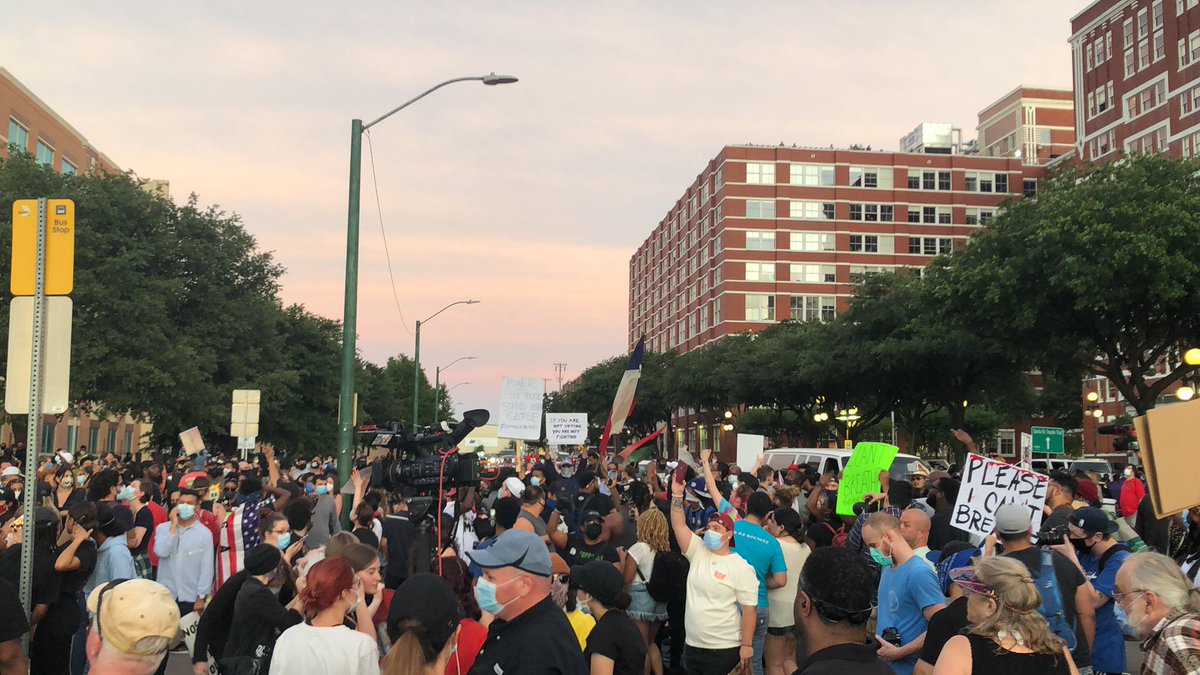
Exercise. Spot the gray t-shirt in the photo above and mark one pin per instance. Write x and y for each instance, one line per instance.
(539, 525)
(325, 522)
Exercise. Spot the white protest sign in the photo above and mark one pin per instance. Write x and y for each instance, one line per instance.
(191, 440)
(986, 485)
(566, 428)
(1026, 450)
(187, 625)
(749, 449)
(520, 415)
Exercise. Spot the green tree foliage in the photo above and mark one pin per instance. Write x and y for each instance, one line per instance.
(387, 391)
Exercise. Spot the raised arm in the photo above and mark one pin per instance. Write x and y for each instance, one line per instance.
(710, 481)
(678, 521)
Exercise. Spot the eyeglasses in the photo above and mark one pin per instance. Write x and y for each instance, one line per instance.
(1121, 595)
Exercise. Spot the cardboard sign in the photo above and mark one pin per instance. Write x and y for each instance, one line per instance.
(521, 408)
(749, 449)
(861, 476)
(1167, 441)
(187, 625)
(566, 428)
(191, 440)
(986, 485)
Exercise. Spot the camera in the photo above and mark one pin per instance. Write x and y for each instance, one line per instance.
(419, 463)
(1053, 535)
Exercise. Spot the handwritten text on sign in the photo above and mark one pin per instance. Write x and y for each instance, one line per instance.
(521, 408)
(861, 476)
(988, 484)
(566, 428)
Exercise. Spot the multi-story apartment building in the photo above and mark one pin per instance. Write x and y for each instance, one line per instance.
(1034, 123)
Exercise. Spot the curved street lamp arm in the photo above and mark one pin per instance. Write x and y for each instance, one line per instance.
(420, 96)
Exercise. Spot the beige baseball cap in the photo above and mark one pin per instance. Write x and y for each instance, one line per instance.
(134, 609)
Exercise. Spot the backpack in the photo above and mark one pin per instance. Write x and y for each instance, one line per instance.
(1052, 603)
(668, 577)
(839, 535)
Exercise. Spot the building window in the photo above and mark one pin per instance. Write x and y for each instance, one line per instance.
(860, 243)
(760, 241)
(1088, 50)
(814, 274)
(868, 177)
(760, 271)
(812, 175)
(914, 180)
(1130, 64)
(812, 241)
(1160, 45)
(813, 307)
(18, 136)
(93, 437)
(68, 168)
(45, 153)
(1143, 19)
(943, 180)
(1029, 188)
(48, 438)
(929, 245)
(1143, 54)
(1158, 13)
(1006, 439)
(760, 308)
(760, 173)
(757, 208)
(1002, 183)
(812, 210)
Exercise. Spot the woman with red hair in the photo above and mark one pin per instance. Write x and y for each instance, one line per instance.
(323, 645)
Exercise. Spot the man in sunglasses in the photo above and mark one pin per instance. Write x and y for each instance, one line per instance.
(832, 608)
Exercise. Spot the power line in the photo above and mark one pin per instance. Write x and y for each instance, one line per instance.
(560, 367)
(386, 252)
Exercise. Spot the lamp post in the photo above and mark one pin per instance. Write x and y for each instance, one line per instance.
(417, 358)
(350, 304)
(437, 380)
(1187, 390)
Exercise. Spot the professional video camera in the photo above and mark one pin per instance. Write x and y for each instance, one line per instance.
(420, 463)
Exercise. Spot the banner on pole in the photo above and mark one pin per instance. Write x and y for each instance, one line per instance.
(986, 485)
(566, 428)
(520, 415)
(861, 476)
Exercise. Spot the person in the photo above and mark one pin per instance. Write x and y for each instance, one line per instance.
(942, 626)
(323, 645)
(144, 521)
(722, 593)
(1094, 551)
(365, 561)
(364, 520)
(647, 613)
(424, 625)
(46, 582)
(471, 634)
(589, 543)
(533, 502)
(1132, 492)
(1162, 608)
(277, 531)
(258, 618)
(914, 527)
(1008, 635)
(614, 646)
(65, 494)
(113, 559)
(136, 621)
(591, 500)
(1060, 497)
(75, 562)
(941, 497)
(529, 633)
(908, 591)
(185, 553)
(896, 497)
(780, 654)
(13, 626)
(399, 537)
(833, 605)
(1058, 579)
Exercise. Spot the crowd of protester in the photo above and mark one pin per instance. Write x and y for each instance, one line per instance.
(581, 564)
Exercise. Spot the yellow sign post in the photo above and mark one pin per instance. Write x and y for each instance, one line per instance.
(60, 246)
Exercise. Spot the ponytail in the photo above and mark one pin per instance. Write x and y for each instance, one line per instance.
(411, 651)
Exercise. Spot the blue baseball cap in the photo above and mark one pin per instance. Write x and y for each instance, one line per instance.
(515, 548)
(699, 487)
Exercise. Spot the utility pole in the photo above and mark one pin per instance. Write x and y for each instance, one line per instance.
(560, 367)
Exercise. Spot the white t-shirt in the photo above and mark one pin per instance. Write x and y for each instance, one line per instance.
(324, 651)
(464, 533)
(780, 601)
(644, 555)
(716, 585)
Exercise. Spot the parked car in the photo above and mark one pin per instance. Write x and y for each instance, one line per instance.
(938, 464)
(1046, 465)
(831, 459)
(1100, 466)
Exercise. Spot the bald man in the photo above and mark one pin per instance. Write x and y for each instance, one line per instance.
(914, 527)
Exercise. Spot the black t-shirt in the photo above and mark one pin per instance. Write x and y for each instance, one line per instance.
(12, 616)
(366, 536)
(72, 582)
(1069, 579)
(617, 637)
(580, 552)
(399, 533)
(821, 534)
(944, 625)
(602, 504)
(539, 640)
(941, 532)
(45, 580)
(144, 518)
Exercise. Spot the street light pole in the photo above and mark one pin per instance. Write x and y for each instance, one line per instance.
(350, 307)
(437, 391)
(417, 358)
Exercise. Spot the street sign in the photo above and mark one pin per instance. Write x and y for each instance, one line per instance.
(246, 443)
(243, 417)
(56, 355)
(60, 246)
(1048, 440)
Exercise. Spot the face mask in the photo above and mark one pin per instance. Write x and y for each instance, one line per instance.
(309, 488)
(612, 475)
(68, 482)
(713, 540)
(186, 511)
(551, 504)
(485, 595)
(313, 465)
(582, 605)
(535, 481)
(322, 489)
(880, 559)
(125, 494)
(285, 540)
(1128, 472)
(733, 480)
(1125, 619)
(593, 531)
(1081, 544)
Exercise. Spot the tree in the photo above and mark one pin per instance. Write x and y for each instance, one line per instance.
(386, 393)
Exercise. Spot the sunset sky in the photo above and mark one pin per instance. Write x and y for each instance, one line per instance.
(529, 197)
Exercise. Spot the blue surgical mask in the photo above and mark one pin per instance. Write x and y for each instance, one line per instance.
(285, 540)
(125, 494)
(535, 481)
(187, 511)
(881, 559)
(712, 540)
(551, 504)
(309, 488)
(612, 475)
(322, 489)
(485, 595)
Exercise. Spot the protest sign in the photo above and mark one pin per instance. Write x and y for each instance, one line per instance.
(521, 408)
(188, 625)
(566, 428)
(861, 475)
(986, 485)
(191, 440)
(1167, 438)
(749, 449)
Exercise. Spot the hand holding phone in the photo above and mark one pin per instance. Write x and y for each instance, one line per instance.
(680, 472)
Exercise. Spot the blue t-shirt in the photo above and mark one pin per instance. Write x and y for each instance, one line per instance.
(904, 593)
(1108, 651)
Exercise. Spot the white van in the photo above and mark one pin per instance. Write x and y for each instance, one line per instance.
(831, 459)
(1046, 465)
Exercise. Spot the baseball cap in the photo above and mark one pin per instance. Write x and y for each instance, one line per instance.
(515, 548)
(10, 471)
(699, 487)
(585, 477)
(130, 610)
(1093, 521)
(515, 487)
(601, 580)
(591, 516)
(724, 519)
(966, 577)
(427, 599)
(1013, 518)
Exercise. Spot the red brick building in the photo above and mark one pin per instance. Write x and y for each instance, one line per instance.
(1034, 123)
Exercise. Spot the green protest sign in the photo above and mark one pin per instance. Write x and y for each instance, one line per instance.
(861, 475)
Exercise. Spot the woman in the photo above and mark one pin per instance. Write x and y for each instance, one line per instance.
(323, 645)
(614, 646)
(364, 521)
(647, 613)
(365, 561)
(258, 618)
(65, 494)
(471, 633)
(1008, 635)
(785, 525)
(424, 627)
(50, 652)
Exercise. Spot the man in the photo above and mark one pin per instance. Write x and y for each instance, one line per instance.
(909, 594)
(918, 477)
(185, 552)
(530, 634)
(1014, 525)
(591, 499)
(1132, 492)
(941, 497)
(588, 545)
(505, 513)
(722, 594)
(833, 605)
(135, 622)
(512, 487)
(325, 522)
(896, 497)
(1161, 606)
(13, 625)
(399, 536)
(1060, 494)
(237, 531)
(914, 527)
(138, 536)
(1094, 551)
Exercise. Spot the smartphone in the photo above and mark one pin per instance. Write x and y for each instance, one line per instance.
(680, 472)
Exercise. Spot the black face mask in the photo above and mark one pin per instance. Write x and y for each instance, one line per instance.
(593, 531)
(1081, 544)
